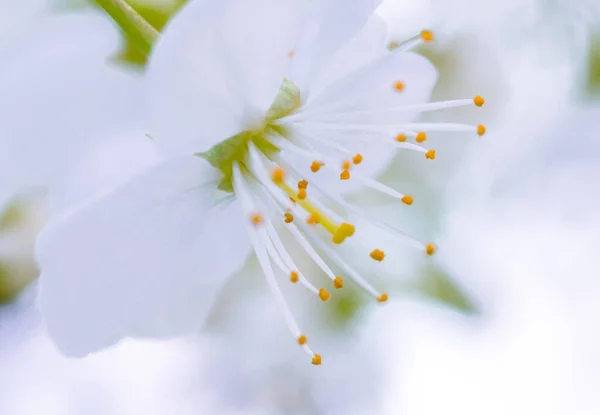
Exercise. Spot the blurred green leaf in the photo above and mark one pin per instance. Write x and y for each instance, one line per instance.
(593, 67)
(437, 284)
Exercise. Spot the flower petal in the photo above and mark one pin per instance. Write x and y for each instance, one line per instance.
(332, 24)
(146, 260)
(46, 116)
(218, 68)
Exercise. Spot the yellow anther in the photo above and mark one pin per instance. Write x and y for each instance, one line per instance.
(313, 219)
(256, 219)
(430, 155)
(345, 175)
(344, 231)
(302, 184)
(378, 255)
(316, 166)
(382, 298)
(288, 217)
(430, 249)
(401, 138)
(479, 101)
(357, 159)
(338, 283)
(278, 175)
(399, 86)
(302, 340)
(407, 199)
(346, 165)
(421, 137)
(481, 129)
(294, 276)
(324, 294)
(316, 360)
(301, 194)
(427, 35)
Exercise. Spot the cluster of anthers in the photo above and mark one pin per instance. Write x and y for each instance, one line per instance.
(273, 192)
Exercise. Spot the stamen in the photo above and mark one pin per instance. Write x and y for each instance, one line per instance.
(479, 101)
(301, 194)
(421, 136)
(430, 155)
(427, 35)
(289, 218)
(324, 294)
(345, 230)
(278, 175)
(256, 219)
(316, 166)
(302, 184)
(399, 86)
(345, 175)
(430, 249)
(346, 165)
(377, 255)
(401, 138)
(407, 200)
(338, 283)
(313, 219)
(316, 360)
(302, 340)
(357, 159)
(294, 276)
(383, 298)
(481, 129)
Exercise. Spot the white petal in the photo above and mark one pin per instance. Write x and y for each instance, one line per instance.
(218, 68)
(55, 90)
(373, 86)
(332, 24)
(146, 260)
(367, 46)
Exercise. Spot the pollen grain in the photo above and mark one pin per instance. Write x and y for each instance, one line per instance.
(377, 255)
(324, 294)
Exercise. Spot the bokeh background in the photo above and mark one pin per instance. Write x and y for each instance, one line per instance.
(510, 323)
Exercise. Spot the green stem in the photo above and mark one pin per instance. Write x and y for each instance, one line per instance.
(141, 33)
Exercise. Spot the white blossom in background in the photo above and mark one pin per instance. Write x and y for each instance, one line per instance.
(49, 116)
(260, 133)
(523, 238)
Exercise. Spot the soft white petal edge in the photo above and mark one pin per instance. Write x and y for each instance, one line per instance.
(147, 260)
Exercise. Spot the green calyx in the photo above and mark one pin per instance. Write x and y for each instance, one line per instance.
(234, 149)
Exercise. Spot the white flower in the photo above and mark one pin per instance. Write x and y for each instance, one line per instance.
(248, 104)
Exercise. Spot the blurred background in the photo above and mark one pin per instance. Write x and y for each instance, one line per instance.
(509, 323)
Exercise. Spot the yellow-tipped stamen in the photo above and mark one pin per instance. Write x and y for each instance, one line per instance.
(346, 165)
(401, 138)
(288, 217)
(256, 219)
(426, 36)
(338, 283)
(406, 199)
(313, 219)
(430, 155)
(344, 231)
(421, 136)
(377, 255)
(278, 175)
(399, 86)
(324, 294)
(301, 195)
(345, 175)
(302, 184)
(294, 276)
(316, 166)
(479, 101)
(316, 360)
(383, 298)
(302, 340)
(430, 249)
(480, 129)
(357, 159)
